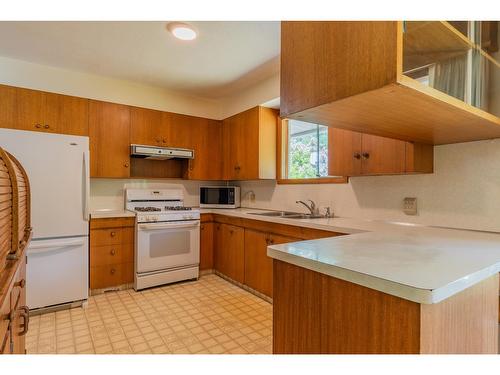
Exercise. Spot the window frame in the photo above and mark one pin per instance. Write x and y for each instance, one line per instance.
(282, 161)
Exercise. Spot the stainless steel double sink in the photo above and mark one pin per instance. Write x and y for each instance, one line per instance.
(287, 215)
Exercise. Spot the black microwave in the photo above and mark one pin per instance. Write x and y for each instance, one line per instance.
(219, 196)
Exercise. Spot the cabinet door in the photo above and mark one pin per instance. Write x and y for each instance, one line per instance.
(344, 152)
(73, 115)
(7, 107)
(382, 155)
(229, 251)
(146, 127)
(30, 110)
(206, 142)
(109, 131)
(241, 145)
(258, 266)
(206, 246)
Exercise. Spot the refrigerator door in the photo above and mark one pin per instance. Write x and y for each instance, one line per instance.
(58, 171)
(57, 271)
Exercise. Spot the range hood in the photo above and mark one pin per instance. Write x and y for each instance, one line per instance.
(160, 153)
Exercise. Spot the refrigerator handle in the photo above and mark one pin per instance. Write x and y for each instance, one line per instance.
(86, 185)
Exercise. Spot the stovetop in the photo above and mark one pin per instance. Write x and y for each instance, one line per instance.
(160, 209)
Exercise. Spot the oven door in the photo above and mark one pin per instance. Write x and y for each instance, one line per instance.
(162, 246)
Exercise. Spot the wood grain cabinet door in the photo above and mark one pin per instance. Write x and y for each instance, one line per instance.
(258, 266)
(206, 142)
(31, 111)
(7, 106)
(229, 251)
(207, 246)
(382, 155)
(344, 152)
(146, 127)
(73, 115)
(109, 131)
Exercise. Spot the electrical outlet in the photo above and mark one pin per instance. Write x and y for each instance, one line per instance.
(410, 206)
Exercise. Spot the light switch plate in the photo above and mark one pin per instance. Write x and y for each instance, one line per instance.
(410, 206)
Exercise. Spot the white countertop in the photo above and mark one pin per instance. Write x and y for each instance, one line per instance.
(414, 262)
(106, 213)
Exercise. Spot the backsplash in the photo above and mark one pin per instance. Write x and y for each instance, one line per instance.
(463, 191)
(109, 193)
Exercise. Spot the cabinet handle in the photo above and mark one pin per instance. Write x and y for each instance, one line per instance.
(25, 314)
(231, 231)
(38, 126)
(164, 140)
(20, 283)
(202, 227)
(112, 234)
(125, 165)
(357, 155)
(237, 168)
(46, 126)
(366, 155)
(157, 140)
(112, 271)
(112, 252)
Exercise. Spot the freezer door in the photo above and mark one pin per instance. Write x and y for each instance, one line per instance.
(57, 272)
(58, 171)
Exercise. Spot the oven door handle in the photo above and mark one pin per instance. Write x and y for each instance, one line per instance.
(168, 226)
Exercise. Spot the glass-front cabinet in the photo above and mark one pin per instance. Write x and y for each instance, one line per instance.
(458, 58)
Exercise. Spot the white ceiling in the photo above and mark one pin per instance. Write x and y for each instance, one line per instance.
(225, 58)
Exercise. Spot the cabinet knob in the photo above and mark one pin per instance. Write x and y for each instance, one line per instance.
(125, 165)
(366, 155)
(112, 252)
(157, 140)
(112, 271)
(164, 140)
(237, 168)
(38, 126)
(231, 231)
(46, 126)
(357, 155)
(112, 234)
(202, 227)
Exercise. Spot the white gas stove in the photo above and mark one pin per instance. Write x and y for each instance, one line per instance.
(167, 237)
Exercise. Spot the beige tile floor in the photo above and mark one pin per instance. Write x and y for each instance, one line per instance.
(206, 316)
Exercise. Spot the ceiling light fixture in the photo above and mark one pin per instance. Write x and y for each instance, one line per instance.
(181, 30)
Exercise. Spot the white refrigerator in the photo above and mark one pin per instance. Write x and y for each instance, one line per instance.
(58, 170)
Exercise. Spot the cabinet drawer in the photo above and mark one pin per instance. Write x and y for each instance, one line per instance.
(111, 236)
(111, 275)
(111, 254)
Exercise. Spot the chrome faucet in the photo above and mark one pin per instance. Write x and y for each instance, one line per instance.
(312, 207)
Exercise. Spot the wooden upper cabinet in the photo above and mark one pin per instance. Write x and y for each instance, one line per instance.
(249, 145)
(148, 127)
(109, 131)
(360, 76)
(49, 112)
(7, 106)
(356, 154)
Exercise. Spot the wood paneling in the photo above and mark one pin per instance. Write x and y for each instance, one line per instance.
(322, 62)
(109, 131)
(419, 158)
(465, 323)
(144, 168)
(229, 251)
(207, 245)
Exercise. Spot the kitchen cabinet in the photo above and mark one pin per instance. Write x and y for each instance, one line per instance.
(357, 154)
(229, 250)
(111, 252)
(49, 112)
(249, 145)
(204, 137)
(109, 131)
(258, 266)
(149, 127)
(7, 106)
(207, 245)
(360, 76)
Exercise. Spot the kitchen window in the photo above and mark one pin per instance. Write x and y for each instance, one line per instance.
(303, 151)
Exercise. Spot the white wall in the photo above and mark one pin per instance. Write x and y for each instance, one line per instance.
(109, 193)
(463, 192)
(46, 78)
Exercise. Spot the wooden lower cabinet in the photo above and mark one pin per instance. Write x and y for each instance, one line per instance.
(229, 251)
(111, 252)
(207, 245)
(258, 266)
